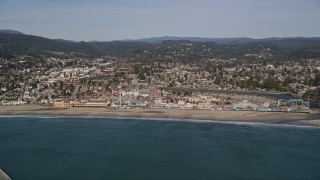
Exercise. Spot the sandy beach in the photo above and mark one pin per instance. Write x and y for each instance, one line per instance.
(245, 116)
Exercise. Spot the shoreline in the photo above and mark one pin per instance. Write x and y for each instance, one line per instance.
(227, 116)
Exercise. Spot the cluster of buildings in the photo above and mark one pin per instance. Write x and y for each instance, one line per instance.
(111, 82)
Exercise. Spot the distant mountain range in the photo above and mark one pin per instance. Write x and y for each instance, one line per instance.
(195, 39)
(235, 40)
(15, 42)
(10, 31)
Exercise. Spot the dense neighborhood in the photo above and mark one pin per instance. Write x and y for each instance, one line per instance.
(112, 82)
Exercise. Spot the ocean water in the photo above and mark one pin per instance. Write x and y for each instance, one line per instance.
(64, 148)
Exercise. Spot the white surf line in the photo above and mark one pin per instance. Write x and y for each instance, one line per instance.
(166, 119)
(225, 122)
(29, 116)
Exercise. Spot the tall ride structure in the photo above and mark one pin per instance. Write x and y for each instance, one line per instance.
(151, 93)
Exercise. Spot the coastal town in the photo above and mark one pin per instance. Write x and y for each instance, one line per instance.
(112, 82)
(159, 89)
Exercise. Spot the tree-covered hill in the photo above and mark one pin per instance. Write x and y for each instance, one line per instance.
(12, 43)
(27, 44)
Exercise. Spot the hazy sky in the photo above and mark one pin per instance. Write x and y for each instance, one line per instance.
(132, 19)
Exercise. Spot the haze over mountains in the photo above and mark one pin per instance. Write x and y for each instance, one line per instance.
(15, 42)
(10, 31)
(238, 40)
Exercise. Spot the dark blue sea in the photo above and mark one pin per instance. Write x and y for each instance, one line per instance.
(76, 148)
